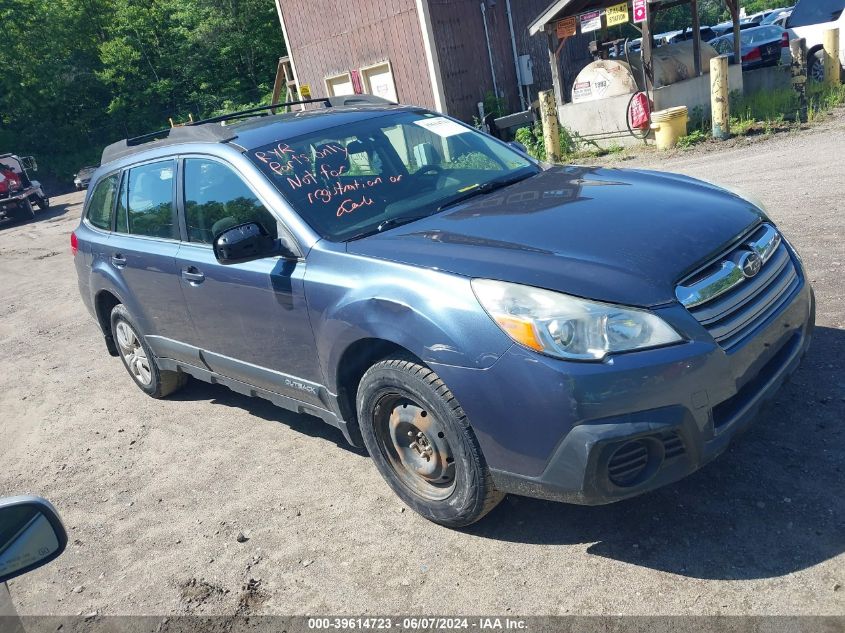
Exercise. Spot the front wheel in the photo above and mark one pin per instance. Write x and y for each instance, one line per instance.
(139, 359)
(422, 444)
(43, 203)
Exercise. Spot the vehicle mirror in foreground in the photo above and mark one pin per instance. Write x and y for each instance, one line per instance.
(247, 242)
(31, 535)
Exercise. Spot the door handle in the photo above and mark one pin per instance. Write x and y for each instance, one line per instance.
(118, 260)
(193, 275)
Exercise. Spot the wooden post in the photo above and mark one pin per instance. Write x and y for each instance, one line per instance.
(831, 57)
(555, 65)
(733, 7)
(798, 49)
(551, 131)
(696, 37)
(719, 100)
(277, 84)
(648, 66)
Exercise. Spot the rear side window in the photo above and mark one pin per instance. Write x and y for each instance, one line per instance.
(809, 12)
(146, 201)
(216, 199)
(102, 202)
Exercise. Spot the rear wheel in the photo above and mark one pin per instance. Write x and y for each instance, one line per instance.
(139, 359)
(422, 444)
(43, 203)
(815, 66)
(25, 210)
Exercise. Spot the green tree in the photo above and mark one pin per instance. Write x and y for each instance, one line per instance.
(79, 74)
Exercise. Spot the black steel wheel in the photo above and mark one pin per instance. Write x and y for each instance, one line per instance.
(422, 444)
(415, 444)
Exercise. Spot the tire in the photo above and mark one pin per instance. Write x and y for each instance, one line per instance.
(25, 211)
(43, 203)
(138, 358)
(422, 444)
(815, 66)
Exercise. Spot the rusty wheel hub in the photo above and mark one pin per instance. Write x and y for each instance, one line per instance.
(415, 444)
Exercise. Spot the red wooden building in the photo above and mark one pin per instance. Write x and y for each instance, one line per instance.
(445, 55)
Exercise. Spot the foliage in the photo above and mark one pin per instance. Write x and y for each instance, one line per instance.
(532, 138)
(79, 74)
(494, 105)
(473, 160)
(821, 98)
(693, 138)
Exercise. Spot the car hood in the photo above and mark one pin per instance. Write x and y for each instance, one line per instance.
(626, 236)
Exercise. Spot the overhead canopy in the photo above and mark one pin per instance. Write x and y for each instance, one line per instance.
(565, 8)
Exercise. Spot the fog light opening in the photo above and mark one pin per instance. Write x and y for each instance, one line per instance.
(635, 462)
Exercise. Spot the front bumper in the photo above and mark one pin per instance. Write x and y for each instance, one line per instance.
(551, 429)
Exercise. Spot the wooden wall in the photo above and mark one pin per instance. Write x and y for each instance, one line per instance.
(329, 37)
(465, 63)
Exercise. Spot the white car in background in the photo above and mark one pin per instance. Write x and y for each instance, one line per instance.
(810, 19)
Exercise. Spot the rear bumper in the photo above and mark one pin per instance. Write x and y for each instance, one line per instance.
(10, 207)
(550, 429)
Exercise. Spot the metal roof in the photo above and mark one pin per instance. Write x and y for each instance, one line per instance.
(565, 8)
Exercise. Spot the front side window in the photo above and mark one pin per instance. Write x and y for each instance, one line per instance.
(145, 206)
(217, 199)
(348, 180)
(809, 12)
(102, 202)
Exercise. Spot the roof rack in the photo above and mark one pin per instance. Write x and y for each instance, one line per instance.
(329, 102)
(205, 130)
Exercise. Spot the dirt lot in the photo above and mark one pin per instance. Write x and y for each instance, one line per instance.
(154, 493)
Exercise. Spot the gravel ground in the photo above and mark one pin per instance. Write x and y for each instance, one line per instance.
(155, 493)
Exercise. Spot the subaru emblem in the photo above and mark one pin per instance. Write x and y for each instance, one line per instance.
(750, 264)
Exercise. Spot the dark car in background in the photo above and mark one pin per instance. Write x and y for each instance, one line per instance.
(726, 28)
(483, 323)
(707, 34)
(83, 177)
(761, 46)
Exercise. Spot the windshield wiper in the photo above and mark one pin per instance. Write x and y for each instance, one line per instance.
(389, 223)
(486, 187)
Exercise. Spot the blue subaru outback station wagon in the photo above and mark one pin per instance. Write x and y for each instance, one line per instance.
(482, 323)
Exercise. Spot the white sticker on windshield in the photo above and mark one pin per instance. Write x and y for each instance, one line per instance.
(442, 126)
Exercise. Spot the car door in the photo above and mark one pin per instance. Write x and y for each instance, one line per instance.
(250, 319)
(142, 249)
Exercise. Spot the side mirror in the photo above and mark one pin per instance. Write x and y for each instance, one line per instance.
(31, 535)
(518, 147)
(248, 242)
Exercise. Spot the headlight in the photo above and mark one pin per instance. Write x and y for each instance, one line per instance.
(568, 327)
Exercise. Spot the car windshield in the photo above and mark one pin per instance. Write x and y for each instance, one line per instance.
(353, 180)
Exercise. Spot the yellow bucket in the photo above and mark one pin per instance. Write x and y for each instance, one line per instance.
(669, 125)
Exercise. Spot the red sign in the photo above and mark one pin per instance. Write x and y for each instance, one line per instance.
(639, 10)
(565, 28)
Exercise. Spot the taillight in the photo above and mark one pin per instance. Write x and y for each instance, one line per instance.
(753, 55)
(784, 40)
(74, 244)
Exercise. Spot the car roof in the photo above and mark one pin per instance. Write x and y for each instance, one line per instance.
(260, 128)
(270, 129)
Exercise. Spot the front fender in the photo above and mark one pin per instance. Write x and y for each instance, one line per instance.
(432, 314)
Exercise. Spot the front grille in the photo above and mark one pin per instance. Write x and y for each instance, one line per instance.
(731, 305)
